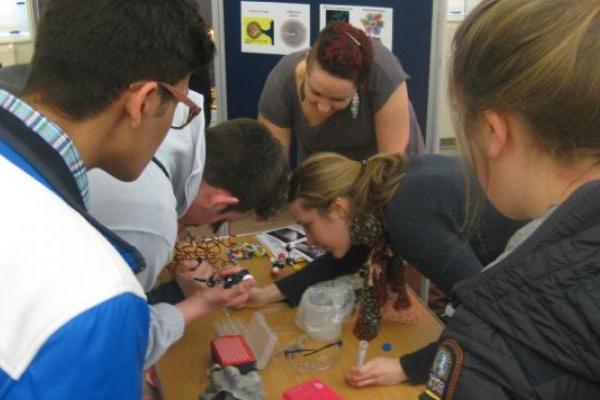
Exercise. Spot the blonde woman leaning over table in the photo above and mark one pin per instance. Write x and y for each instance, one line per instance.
(412, 211)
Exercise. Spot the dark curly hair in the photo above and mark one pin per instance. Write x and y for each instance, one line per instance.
(87, 52)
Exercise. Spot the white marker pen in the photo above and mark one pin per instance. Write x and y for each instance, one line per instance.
(363, 345)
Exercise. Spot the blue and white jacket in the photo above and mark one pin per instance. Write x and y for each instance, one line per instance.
(73, 318)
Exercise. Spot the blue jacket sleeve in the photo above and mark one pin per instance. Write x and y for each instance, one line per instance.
(99, 354)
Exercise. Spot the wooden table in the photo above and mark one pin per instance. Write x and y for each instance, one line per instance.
(182, 371)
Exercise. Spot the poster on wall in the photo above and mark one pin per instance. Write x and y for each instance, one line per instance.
(376, 22)
(274, 28)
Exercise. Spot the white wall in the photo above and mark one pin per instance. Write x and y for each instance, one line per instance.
(456, 12)
(16, 53)
(16, 48)
(23, 52)
(445, 128)
(461, 6)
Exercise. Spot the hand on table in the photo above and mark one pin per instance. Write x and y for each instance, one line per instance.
(255, 299)
(378, 371)
(261, 296)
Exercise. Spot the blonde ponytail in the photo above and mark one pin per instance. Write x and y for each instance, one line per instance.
(377, 183)
(370, 184)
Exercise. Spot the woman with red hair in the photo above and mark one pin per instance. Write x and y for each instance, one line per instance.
(347, 95)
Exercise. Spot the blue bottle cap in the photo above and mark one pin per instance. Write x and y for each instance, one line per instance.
(386, 347)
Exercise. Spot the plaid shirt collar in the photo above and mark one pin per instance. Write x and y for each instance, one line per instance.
(52, 134)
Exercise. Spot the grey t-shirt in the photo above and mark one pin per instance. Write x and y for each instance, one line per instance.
(340, 133)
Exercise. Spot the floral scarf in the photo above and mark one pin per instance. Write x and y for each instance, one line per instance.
(383, 294)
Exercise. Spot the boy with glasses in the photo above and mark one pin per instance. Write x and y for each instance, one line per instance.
(101, 94)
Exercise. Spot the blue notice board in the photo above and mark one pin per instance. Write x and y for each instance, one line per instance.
(247, 72)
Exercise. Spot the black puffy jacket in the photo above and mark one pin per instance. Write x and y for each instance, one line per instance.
(529, 327)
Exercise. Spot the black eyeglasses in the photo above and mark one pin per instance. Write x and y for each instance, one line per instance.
(290, 351)
(180, 119)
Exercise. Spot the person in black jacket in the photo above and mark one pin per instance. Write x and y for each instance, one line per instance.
(422, 212)
(525, 83)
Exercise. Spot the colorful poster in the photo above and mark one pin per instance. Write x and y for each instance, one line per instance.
(259, 31)
(274, 28)
(376, 22)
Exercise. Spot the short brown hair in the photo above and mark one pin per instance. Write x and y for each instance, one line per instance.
(243, 158)
(87, 52)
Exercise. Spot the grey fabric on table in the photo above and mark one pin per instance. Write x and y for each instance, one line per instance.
(231, 380)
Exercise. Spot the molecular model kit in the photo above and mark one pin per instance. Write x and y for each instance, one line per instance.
(221, 251)
(285, 259)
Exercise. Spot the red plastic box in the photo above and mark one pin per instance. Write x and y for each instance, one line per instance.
(313, 389)
(233, 350)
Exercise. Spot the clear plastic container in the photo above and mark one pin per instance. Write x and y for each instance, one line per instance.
(229, 326)
(261, 339)
(323, 308)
